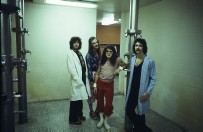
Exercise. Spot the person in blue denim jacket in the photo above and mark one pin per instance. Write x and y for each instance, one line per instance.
(140, 85)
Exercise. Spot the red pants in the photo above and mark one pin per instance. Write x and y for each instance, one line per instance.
(105, 90)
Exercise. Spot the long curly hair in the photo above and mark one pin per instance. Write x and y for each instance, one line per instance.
(113, 57)
(73, 40)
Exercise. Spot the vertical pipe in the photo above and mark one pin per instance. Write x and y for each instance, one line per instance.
(22, 67)
(133, 23)
(7, 100)
(133, 15)
(132, 32)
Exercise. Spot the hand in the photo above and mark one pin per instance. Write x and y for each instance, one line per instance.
(144, 97)
(117, 71)
(91, 84)
(95, 90)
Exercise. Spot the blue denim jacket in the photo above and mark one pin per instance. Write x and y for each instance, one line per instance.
(147, 82)
(92, 62)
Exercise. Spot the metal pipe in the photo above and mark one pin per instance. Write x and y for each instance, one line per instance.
(7, 100)
(15, 80)
(17, 112)
(17, 95)
(132, 32)
(22, 64)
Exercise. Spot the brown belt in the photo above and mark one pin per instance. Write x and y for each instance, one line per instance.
(106, 80)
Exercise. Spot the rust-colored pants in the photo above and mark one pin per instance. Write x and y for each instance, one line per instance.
(105, 93)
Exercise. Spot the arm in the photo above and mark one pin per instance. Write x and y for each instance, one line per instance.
(96, 78)
(89, 68)
(122, 65)
(152, 81)
(152, 77)
(73, 70)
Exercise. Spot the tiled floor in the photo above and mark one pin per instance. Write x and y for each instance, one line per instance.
(52, 116)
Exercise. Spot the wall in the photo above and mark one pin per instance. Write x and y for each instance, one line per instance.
(173, 30)
(51, 28)
(123, 49)
(108, 34)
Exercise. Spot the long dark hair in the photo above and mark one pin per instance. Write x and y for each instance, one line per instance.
(73, 40)
(113, 57)
(90, 50)
(143, 42)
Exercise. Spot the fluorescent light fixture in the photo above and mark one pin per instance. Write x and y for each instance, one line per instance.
(109, 19)
(109, 22)
(106, 22)
(69, 3)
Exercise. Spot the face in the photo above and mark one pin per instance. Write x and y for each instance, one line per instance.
(76, 45)
(95, 44)
(138, 48)
(109, 53)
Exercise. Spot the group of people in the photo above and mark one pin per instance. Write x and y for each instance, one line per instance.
(99, 83)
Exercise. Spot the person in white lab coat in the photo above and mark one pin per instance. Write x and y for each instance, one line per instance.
(79, 84)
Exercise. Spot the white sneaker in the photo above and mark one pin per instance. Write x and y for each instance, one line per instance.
(100, 124)
(106, 126)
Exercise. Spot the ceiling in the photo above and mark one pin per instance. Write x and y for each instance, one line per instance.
(116, 7)
(106, 7)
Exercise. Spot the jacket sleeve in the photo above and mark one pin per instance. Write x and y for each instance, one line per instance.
(152, 76)
(89, 68)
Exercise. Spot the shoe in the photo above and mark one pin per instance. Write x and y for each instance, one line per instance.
(99, 125)
(147, 129)
(93, 116)
(97, 114)
(106, 125)
(82, 118)
(75, 122)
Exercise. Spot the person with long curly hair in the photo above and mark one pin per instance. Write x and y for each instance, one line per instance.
(110, 65)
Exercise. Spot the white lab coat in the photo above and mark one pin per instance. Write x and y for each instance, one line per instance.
(78, 90)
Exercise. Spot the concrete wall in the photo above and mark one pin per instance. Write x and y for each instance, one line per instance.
(173, 30)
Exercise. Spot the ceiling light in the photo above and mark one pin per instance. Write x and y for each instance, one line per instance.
(109, 19)
(69, 3)
(109, 22)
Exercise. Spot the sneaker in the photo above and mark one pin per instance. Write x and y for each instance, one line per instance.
(147, 129)
(82, 118)
(93, 116)
(75, 122)
(97, 114)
